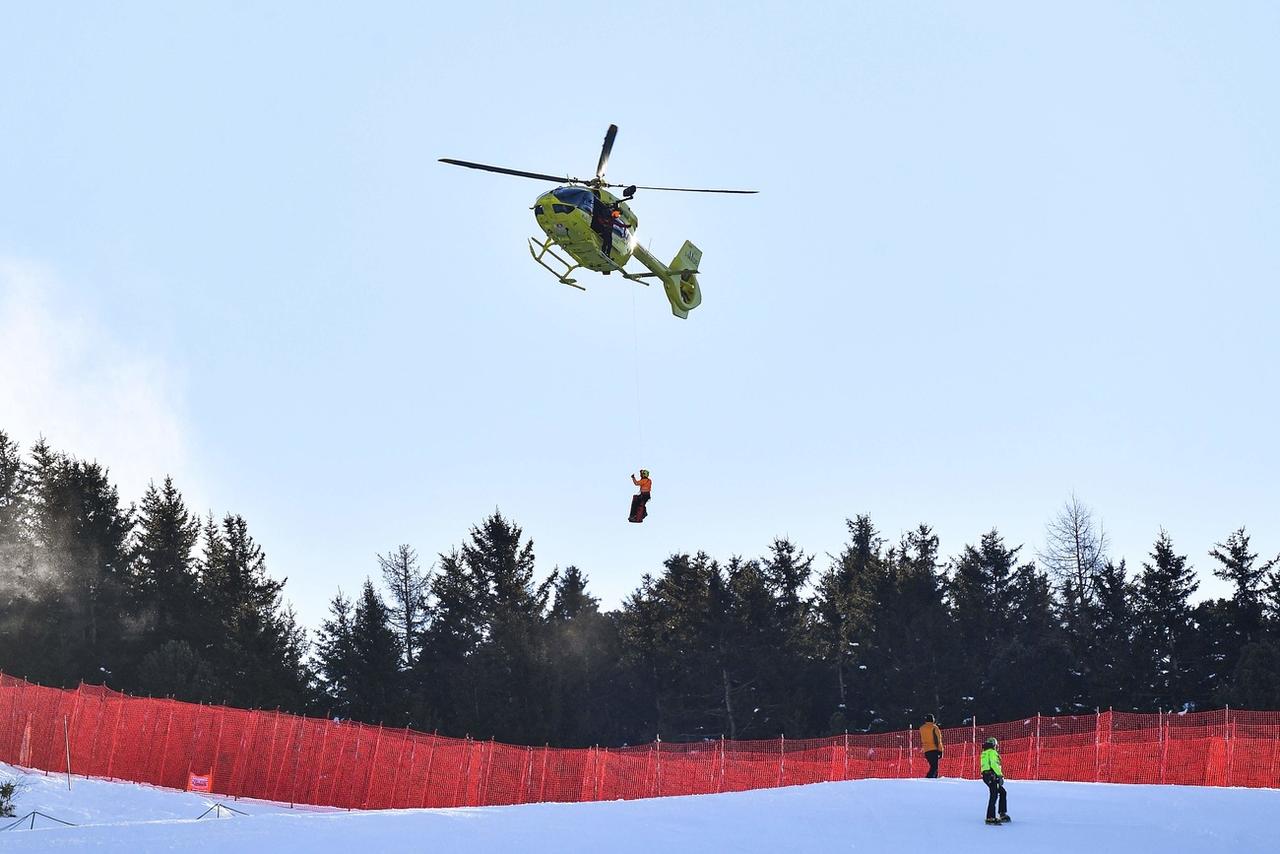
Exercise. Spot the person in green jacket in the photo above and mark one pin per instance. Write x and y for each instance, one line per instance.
(993, 776)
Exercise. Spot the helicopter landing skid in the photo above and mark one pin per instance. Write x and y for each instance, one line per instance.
(539, 251)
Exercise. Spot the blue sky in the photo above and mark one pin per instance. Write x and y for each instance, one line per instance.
(1001, 253)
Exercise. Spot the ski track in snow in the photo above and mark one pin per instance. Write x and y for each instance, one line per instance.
(934, 816)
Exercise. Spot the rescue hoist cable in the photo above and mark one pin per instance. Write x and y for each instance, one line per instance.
(635, 339)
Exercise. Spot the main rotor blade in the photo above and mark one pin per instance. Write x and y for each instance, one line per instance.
(685, 189)
(605, 150)
(559, 179)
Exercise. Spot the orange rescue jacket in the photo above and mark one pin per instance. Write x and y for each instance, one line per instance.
(930, 736)
(645, 484)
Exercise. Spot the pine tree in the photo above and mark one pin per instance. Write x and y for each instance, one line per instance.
(1034, 642)
(1255, 683)
(408, 586)
(256, 645)
(982, 592)
(744, 616)
(508, 670)
(786, 570)
(442, 694)
(785, 665)
(336, 658)
(1164, 630)
(481, 662)
(587, 685)
(503, 567)
(1238, 565)
(80, 537)
(39, 478)
(910, 647)
(640, 627)
(175, 669)
(844, 622)
(12, 492)
(1271, 600)
(571, 598)
(375, 687)
(167, 582)
(1109, 662)
(673, 623)
(19, 589)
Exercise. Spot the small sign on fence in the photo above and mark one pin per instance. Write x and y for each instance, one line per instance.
(200, 782)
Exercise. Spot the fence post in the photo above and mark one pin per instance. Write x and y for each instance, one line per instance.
(274, 789)
(191, 750)
(395, 780)
(66, 739)
(464, 774)
(1111, 741)
(431, 756)
(297, 752)
(1037, 771)
(66, 727)
(1163, 739)
(1275, 750)
(115, 732)
(542, 783)
(97, 728)
(217, 743)
(324, 746)
(373, 766)
(722, 746)
(1231, 750)
(782, 758)
(657, 773)
(711, 777)
(482, 797)
(164, 755)
(1097, 744)
(973, 743)
(601, 757)
(846, 755)
(526, 775)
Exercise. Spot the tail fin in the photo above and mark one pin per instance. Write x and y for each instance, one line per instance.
(681, 284)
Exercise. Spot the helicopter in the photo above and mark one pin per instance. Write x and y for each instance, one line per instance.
(597, 229)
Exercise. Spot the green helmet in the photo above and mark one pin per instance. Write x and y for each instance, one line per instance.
(644, 472)
(991, 742)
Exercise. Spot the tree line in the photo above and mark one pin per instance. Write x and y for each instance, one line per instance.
(155, 600)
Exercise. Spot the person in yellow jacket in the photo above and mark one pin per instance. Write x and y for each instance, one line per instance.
(931, 744)
(640, 499)
(993, 776)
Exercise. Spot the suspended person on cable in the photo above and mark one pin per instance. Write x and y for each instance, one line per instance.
(640, 499)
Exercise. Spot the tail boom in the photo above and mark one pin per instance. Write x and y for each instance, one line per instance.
(679, 278)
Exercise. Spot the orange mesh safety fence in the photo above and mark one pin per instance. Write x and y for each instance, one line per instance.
(282, 757)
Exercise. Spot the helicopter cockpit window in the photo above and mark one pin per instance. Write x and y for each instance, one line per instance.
(575, 196)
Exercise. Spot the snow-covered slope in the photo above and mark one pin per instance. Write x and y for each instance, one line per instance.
(935, 816)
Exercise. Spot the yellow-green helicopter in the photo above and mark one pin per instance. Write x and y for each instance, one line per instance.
(598, 231)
